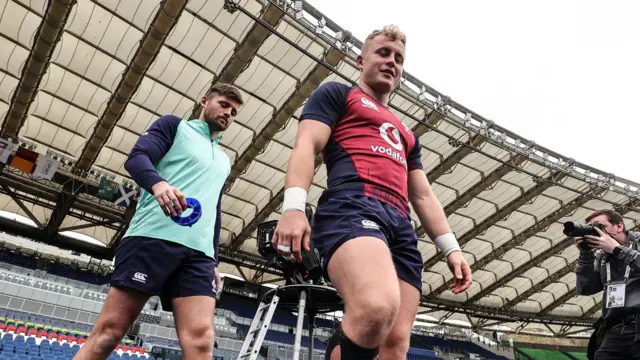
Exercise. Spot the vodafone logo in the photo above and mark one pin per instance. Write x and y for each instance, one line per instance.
(387, 129)
(391, 135)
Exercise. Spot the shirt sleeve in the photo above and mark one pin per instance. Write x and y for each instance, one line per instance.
(327, 103)
(218, 227)
(588, 281)
(151, 146)
(415, 156)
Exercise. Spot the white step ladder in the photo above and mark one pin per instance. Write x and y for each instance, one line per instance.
(259, 327)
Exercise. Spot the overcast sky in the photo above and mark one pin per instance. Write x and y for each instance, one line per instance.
(565, 74)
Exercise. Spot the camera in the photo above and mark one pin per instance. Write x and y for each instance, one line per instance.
(575, 229)
(309, 271)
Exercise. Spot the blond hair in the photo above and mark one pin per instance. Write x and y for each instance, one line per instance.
(390, 31)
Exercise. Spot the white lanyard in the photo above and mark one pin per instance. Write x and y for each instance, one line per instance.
(626, 272)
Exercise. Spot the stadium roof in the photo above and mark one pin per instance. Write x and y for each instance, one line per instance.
(81, 80)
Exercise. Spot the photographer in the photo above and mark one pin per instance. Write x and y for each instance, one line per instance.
(609, 261)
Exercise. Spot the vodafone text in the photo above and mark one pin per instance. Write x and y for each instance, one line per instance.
(390, 152)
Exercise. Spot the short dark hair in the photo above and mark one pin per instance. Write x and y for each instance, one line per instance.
(612, 216)
(227, 90)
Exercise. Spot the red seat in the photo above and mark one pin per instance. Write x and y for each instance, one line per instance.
(141, 350)
(22, 330)
(125, 348)
(62, 337)
(72, 339)
(81, 341)
(52, 336)
(32, 332)
(42, 334)
(11, 328)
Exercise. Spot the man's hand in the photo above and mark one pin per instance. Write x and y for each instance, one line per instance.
(218, 281)
(461, 272)
(171, 200)
(293, 230)
(604, 241)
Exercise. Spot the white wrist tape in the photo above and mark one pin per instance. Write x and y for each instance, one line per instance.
(447, 243)
(295, 198)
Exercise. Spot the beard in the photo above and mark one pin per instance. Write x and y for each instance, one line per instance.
(214, 126)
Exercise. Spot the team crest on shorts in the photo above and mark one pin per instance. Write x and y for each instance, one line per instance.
(368, 224)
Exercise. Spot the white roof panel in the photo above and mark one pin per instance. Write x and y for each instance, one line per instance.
(509, 251)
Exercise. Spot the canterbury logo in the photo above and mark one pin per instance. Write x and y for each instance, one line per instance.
(140, 277)
(369, 104)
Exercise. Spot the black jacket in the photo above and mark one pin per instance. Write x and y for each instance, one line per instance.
(591, 275)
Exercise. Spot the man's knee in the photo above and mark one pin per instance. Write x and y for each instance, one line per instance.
(377, 311)
(197, 338)
(108, 334)
(396, 342)
(373, 315)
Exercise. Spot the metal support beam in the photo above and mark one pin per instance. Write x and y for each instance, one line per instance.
(246, 50)
(65, 199)
(484, 184)
(594, 309)
(500, 314)
(85, 226)
(445, 317)
(242, 274)
(50, 192)
(573, 332)
(22, 206)
(46, 39)
(128, 215)
(551, 330)
(461, 152)
(534, 229)
(279, 120)
(261, 216)
(558, 302)
(150, 44)
(537, 260)
(545, 282)
(552, 278)
(433, 118)
(541, 186)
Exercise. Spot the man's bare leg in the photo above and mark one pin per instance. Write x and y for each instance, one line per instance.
(194, 324)
(396, 344)
(120, 310)
(363, 272)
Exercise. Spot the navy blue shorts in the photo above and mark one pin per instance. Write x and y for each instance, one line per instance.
(163, 268)
(345, 217)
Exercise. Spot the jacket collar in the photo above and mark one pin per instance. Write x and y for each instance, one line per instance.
(203, 128)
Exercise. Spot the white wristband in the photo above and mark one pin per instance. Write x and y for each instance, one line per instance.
(447, 243)
(295, 198)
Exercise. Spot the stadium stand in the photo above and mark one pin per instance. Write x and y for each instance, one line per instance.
(34, 325)
(505, 196)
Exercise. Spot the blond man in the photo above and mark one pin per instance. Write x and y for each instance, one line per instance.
(362, 227)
